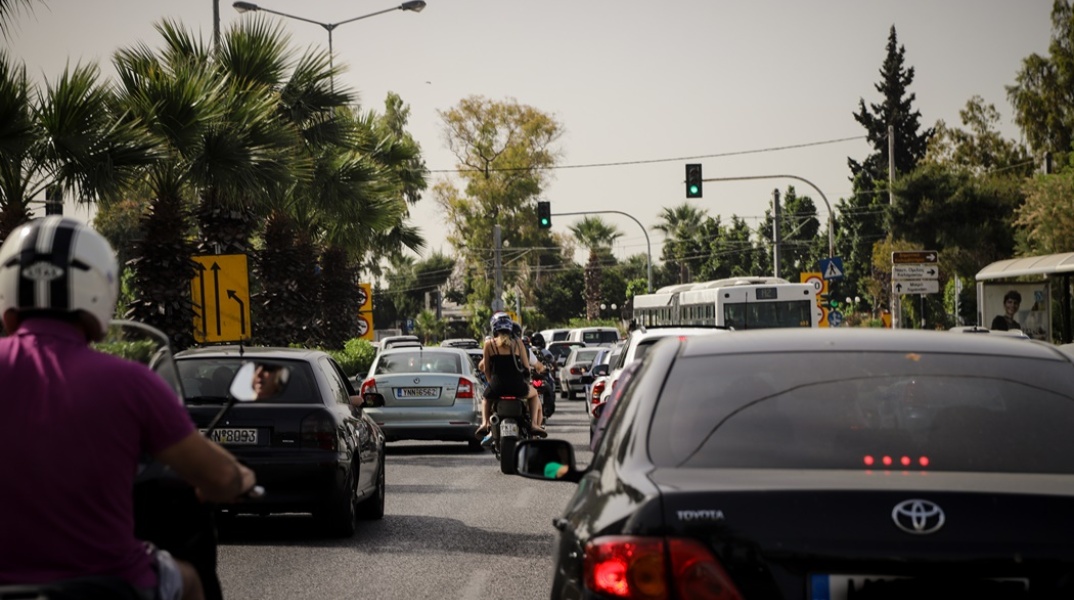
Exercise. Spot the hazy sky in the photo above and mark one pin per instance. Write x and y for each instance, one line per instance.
(659, 83)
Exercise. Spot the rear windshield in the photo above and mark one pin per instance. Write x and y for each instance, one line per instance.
(207, 381)
(586, 355)
(931, 412)
(419, 362)
(560, 336)
(592, 338)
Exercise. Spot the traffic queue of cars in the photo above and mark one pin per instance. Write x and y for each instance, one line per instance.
(823, 464)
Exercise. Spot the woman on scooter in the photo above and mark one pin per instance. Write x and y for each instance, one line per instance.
(506, 366)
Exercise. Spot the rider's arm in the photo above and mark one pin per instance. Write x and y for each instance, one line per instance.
(217, 475)
(536, 364)
(525, 356)
(486, 363)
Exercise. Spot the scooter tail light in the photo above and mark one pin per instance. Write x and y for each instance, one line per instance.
(645, 568)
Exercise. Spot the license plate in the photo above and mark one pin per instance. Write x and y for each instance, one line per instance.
(837, 587)
(417, 392)
(508, 429)
(234, 436)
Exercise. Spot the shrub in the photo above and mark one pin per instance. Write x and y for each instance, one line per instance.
(355, 357)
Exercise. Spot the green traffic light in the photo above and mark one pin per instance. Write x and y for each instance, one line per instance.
(693, 189)
(544, 222)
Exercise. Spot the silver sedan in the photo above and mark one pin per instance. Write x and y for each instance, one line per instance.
(430, 393)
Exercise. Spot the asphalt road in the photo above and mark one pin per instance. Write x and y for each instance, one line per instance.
(455, 527)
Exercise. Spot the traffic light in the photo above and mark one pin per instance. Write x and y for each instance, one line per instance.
(544, 214)
(693, 180)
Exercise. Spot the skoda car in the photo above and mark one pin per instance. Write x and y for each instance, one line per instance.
(313, 445)
(430, 393)
(825, 465)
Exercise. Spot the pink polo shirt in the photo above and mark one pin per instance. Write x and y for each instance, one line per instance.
(73, 423)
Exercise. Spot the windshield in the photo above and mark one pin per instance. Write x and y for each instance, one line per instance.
(419, 362)
(936, 412)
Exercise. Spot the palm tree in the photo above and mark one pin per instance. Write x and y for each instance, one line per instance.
(683, 248)
(221, 141)
(66, 139)
(596, 235)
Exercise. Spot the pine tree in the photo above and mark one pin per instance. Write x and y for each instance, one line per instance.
(861, 216)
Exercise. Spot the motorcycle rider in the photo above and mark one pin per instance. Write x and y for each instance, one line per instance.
(506, 366)
(79, 420)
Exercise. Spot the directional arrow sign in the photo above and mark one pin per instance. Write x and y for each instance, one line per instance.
(914, 272)
(915, 257)
(930, 286)
(220, 291)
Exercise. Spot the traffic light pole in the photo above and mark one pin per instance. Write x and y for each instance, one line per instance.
(831, 219)
(648, 247)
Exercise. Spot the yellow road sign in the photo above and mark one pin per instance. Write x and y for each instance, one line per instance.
(221, 294)
(365, 311)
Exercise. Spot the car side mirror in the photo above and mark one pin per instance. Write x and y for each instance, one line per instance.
(369, 400)
(547, 460)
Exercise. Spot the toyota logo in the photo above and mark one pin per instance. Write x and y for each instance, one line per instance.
(918, 516)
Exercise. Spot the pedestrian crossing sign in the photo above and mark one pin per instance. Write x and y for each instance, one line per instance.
(832, 268)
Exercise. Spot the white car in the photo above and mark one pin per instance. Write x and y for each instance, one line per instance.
(637, 344)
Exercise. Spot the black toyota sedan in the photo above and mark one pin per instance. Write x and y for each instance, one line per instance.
(826, 465)
(312, 446)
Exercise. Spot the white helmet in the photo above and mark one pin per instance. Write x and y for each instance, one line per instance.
(61, 265)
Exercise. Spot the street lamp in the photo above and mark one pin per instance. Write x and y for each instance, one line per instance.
(410, 5)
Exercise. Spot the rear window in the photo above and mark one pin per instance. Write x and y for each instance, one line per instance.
(599, 337)
(207, 381)
(419, 362)
(560, 336)
(839, 411)
(586, 355)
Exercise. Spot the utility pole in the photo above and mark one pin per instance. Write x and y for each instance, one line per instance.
(896, 300)
(497, 294)
(776, 237)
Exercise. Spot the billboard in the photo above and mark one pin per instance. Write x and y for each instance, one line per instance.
(1024, 306)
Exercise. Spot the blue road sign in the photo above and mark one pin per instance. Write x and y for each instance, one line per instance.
(832, 268)
(835, 318)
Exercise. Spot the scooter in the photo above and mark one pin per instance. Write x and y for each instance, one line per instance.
(510, 423)
(167, 511)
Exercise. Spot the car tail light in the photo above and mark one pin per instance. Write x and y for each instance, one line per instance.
(369, 385)
(577, 370)
(319, 431)
(465, 390)
(594, 395)
(649, 568)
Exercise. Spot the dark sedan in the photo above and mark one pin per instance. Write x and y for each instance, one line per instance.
(826, 465)
(312, 446)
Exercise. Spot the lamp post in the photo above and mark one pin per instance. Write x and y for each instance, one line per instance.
(410, 5)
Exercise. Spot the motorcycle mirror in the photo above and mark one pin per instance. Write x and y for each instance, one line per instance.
(259, 381)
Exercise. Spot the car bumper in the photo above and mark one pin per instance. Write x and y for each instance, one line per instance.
(444, 424)
(293, 481)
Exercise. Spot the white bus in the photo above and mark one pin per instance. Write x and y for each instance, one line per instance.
(738, 302)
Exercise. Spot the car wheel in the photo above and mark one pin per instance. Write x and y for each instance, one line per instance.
(372, 508)
(340, 516)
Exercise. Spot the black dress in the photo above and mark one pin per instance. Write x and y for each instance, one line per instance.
(507, 380)
(1004, 323)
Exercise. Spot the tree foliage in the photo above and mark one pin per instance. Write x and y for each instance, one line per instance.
(1043, 93)
(504, 151)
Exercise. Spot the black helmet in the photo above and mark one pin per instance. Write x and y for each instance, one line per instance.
(537, 340)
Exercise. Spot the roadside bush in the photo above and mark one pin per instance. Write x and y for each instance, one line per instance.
(355, 357)
(138, 351)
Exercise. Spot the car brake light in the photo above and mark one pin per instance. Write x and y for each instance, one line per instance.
(638, 568)
(466, 389)
(369, 385)
(598, 389)
(319, 431)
